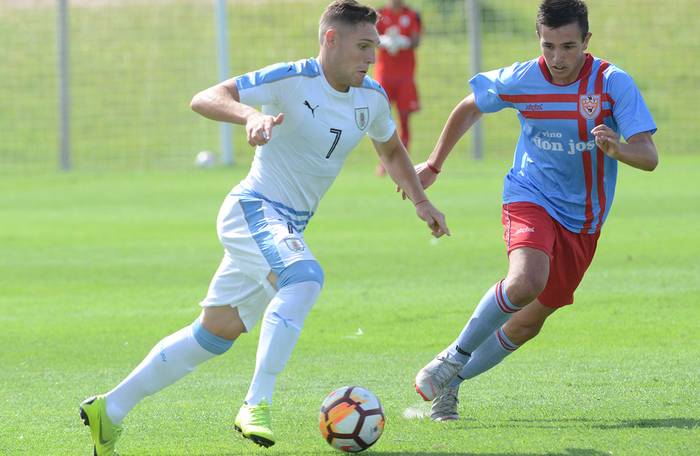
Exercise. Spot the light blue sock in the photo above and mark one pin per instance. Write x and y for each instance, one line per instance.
(490, 353)
(493, 311)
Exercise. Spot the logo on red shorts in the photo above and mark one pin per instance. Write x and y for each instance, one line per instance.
(525, 229)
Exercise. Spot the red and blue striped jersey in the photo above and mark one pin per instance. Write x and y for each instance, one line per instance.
(557, 164)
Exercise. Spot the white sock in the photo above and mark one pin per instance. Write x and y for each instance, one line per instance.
(171, 359)
(280, 330)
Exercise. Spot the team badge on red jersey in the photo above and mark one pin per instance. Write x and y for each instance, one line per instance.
(361, 117)
(589, 106)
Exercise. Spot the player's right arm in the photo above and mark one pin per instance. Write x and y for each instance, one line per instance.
(222, 103)
(463, 116)
(395, 157)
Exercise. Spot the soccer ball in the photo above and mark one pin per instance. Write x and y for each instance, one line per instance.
(205, 159)
(351, 419)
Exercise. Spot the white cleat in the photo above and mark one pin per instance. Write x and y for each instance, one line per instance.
(445, 405)
(434, 378)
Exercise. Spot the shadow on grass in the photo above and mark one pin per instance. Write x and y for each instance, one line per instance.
(567, 452)
(679, 423)
(468, 424)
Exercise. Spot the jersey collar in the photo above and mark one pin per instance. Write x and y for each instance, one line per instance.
(585, 69)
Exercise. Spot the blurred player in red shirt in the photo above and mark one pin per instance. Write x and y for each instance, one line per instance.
(399, 30)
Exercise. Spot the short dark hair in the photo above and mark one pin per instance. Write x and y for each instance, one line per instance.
(348, 12)
(557, 13)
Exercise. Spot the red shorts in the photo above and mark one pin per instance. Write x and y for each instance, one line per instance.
(570, 254)
(402, 91)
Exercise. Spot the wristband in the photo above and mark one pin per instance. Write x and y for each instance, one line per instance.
(420, 202)
(433, 169)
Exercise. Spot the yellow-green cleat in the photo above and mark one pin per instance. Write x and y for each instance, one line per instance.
(254, 423)
(93, 412)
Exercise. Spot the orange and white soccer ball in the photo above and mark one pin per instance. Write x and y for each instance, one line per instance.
(351, 419)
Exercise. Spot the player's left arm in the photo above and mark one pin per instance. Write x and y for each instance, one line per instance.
(397, 163)
(639, 151)
(416, 32)
(413, 40)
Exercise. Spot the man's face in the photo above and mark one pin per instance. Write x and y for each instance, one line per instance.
(356, 52)
(563, 51)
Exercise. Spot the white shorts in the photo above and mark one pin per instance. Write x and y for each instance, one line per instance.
(257, 241)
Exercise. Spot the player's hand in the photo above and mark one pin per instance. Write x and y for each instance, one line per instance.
(434, 218)
(259, 128)
(389, 40)
(403, 42)
(425, 176)
(607, 140)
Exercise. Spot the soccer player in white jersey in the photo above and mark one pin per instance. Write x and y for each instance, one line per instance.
(314, 112)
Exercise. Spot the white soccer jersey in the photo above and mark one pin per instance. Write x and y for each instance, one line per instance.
(321, 126)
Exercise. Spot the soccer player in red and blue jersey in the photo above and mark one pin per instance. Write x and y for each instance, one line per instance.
(399, 30)
(573, 108)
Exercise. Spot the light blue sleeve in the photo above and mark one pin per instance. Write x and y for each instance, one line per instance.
(629, 110)
(488, 87)
(263, 87)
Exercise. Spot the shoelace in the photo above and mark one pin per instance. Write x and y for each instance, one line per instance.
(447, 370)
(446, 403)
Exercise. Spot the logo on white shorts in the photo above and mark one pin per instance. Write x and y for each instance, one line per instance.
(294, 244)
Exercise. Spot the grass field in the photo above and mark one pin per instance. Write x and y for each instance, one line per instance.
(98, 265)
(96, 268)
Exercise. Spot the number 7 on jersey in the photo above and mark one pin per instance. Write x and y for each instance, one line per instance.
(337, 134)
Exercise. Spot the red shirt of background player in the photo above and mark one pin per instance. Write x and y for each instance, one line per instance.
(403, 63)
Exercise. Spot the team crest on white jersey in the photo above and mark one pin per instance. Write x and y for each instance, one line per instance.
(361, 117)
(589, 106)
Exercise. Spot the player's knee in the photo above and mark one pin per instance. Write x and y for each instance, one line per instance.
(214, 343)
(524, 288)
(222, 321)
(301, 271)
